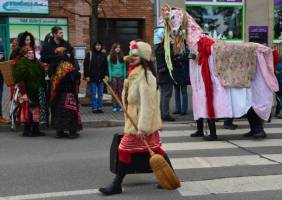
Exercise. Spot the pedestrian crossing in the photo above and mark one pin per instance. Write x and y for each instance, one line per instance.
(203, 166)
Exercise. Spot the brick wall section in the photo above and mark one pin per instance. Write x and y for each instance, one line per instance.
(79, 29)
(78, 25)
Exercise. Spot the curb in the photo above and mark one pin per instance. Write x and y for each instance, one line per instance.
(93, 124)
(89, 124)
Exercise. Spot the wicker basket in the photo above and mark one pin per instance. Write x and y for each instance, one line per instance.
(7, 69)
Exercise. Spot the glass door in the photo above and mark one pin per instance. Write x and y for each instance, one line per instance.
(4, 40)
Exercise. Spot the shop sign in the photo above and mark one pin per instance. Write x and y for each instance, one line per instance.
(258, 34)
(221, 2)
(38, 21)
(278, 2)
(24, 6)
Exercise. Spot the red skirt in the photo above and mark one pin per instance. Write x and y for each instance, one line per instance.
(132, 144)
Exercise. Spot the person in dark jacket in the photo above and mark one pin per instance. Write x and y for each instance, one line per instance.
(64, 97)
(164, 79)
(95, 70)
(181, 77)
(48, 54)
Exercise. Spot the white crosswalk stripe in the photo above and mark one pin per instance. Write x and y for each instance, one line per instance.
(249, 156)
(184, 133)
(232, 185)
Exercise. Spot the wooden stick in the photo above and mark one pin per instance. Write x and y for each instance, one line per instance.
(128, 116)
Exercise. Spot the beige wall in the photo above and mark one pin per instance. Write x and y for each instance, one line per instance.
(173, 3)
(259, 13)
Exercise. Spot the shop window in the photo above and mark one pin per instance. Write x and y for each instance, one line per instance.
(219, 22)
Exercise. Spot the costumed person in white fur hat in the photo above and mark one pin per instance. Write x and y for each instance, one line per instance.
(141, 98)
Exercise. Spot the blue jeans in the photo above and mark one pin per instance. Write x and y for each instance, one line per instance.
(228, 121)
(97, 89)
(184, 94)
(278, 103)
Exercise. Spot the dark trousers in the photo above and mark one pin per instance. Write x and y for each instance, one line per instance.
(211, 125)
(278, 103)
(117, 84)
(166, 93)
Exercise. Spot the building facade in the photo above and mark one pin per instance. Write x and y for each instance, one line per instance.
(119, 20)
(125, 20)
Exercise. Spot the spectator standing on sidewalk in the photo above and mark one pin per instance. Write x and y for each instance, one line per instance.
(181, 77)
(48, 54)
(164, 79)
(64, 97)
(117, 72)
(279, 93)
(2, 119)
(29, 77)
(95, 70)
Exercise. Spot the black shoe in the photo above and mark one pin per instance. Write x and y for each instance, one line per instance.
(94, 111)
(183, 113)
(159, 187)
(197, 134)
(110, 190)
(61, 134)
(100, 111)
(231, 126)
(113, 188)
(176, 113)
(26, 134)
(168, 119)
(210, 138)
(260, 134)
(38, 134)
(73, 135)
(249, 134)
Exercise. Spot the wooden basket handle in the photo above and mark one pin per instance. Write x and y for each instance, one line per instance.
(127, 114)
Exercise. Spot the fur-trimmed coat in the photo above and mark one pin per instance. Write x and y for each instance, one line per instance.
(142, 101)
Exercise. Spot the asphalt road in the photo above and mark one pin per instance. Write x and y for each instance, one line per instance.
(232, 168)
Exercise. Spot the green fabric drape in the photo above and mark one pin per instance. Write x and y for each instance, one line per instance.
(31, 73)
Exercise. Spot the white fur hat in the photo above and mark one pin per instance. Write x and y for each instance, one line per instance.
(141, 49)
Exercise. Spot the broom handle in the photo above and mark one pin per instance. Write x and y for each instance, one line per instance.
(127, 114)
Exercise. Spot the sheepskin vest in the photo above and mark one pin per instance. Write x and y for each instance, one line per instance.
(142, 101)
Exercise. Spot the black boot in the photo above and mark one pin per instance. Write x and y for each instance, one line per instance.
(200, 129)
(259, 130)
(251, 123)
(212, 136)
(27, 130)
(115, 186)
(257, 125)
(35, 130)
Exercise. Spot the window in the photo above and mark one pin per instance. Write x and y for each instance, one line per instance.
(121, 31)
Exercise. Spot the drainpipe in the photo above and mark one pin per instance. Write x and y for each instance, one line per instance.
(157, 12)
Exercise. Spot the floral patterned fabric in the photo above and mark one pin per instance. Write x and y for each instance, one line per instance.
(235, 64)
(63, 69)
